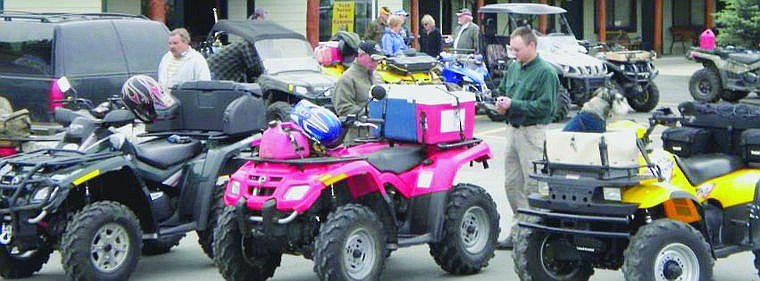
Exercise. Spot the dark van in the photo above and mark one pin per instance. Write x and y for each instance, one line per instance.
(96, 52)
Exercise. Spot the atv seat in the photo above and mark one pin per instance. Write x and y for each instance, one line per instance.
(397, 159)
(745, 58)
(163, 154)
(703, 167)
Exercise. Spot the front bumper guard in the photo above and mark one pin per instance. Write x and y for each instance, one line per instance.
(573, 217)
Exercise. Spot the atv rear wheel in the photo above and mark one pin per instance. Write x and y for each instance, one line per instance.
(238, 256)
(351, 245)
(161, 245)
(206, 237)
(646, 100)
(470, 230)
(705, 85)
(733, 96)
(665, 250)
(535, 260)
(101, 242)
(15, 265)
(562, 105)
(278, 110)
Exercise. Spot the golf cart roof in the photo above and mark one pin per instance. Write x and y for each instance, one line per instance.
(521, 8)
(253, 31)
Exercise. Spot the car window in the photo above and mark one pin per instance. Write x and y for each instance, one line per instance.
(26, 48)
(280, 55)
(90, 48)
(144, 44)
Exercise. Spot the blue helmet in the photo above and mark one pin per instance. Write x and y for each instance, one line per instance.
(319, 123)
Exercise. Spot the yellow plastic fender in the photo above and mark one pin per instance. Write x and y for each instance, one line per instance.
(730, 190)
(334, 71)
(655, 193)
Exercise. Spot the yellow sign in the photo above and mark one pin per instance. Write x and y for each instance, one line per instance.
(343, 16)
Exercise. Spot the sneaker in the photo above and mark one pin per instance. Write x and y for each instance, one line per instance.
(505, 244)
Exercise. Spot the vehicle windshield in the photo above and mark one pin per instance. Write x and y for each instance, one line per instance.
(26, 48)
(282, 55)
(559, 36)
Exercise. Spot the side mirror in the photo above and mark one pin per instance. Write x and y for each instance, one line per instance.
(63, 84)
(378, 92)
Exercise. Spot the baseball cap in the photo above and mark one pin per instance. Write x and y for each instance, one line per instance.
(385, 10)
(370, 47)
(464, 12)
(260, 11)
(400, 12)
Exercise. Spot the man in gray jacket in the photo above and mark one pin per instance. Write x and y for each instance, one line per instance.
(352, 89)
(467, 34)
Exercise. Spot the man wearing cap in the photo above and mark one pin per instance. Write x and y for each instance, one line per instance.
(376, 28)
(467, 33)
(259, 15)
(404, 33)
(351, 92)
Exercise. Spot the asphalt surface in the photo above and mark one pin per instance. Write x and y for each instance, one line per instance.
(187, 262)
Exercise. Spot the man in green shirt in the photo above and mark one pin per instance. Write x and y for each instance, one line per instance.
(376, 28)
(531, 88)
(351, 92)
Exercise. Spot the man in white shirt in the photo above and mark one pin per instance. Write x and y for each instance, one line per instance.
(181, 63)
(467, 34)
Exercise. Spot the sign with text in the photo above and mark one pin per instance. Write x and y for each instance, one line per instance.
(343, 16)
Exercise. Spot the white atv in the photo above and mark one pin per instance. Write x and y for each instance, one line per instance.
(579, 73)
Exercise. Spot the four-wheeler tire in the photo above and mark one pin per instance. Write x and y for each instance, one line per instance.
(533, 259)
(351, 245)
(21, 265)
(470, 230)
(647, 100)
(278, 110)
(733, 96)
(705, 86)
(161, 245)
(562, 105)
(239, 257)
(206, 237)
(665, 250)
(101, 242)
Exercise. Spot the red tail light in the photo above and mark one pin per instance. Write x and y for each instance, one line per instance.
(54, 95)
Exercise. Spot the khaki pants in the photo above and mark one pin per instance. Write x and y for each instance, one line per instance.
(524, 145)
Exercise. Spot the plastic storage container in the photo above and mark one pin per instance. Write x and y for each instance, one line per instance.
(425, 114)
(707, 40)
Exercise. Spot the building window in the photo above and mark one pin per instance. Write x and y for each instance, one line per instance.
(621, 15)
(350, 15)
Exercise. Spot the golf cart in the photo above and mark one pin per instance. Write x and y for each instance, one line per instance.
(579, 73)
(277, 58)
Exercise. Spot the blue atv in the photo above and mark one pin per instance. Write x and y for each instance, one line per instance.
(469, 72)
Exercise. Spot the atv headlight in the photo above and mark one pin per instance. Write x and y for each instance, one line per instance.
(234, 188)
(296, 192)
(612, 193)
(301, 90)
(41, 194)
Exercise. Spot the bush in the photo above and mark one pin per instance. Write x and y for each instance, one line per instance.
(739, 24)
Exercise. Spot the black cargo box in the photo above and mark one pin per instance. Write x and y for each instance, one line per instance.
(750, 146)
(686, 141)
(222, 106)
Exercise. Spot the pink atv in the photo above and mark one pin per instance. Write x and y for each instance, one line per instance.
(348, 208)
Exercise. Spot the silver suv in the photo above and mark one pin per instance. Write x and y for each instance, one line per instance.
(579, 73)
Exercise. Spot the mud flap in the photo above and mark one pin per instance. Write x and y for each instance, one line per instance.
(754, 219)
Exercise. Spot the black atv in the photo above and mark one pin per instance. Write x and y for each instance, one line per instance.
(633, 75)
(102, 204)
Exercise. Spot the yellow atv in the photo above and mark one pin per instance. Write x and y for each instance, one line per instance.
(610, 200)
(417, 69)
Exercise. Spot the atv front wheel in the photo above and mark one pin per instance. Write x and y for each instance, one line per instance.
(239, 256)
(704, 85)
(278, 110)
(351, 245)
(14, 264)
(161, 245)
(206, 237)
(646, 100)
(535, 259)
(733, 96)
(668, 250)
(470, 230)
(562, 105)
(101, 242)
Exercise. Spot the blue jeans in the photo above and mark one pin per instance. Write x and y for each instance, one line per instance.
(585, 122)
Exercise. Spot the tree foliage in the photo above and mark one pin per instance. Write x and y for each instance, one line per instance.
(739, 24)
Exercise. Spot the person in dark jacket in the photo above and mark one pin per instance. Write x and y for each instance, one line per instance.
(430, 37)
